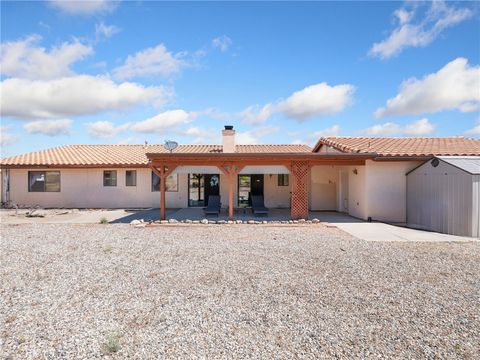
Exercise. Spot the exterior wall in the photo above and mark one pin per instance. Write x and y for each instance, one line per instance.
(83, 188)
(276, 196)
(323, 188)
(357, 197)
(443, 199)
(385, 190)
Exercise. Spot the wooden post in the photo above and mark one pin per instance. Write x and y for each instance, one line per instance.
(230, 195)
(162, 193)
(231, 171)
(162, 173)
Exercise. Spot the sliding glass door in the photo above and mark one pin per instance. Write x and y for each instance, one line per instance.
(200, 187)
(249, 185)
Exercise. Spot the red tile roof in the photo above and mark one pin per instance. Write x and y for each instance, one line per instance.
(128, 155)
(399, 147)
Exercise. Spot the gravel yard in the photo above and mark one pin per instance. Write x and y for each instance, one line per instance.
(237, 291)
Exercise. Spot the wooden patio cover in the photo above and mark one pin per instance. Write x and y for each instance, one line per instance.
(230, 164)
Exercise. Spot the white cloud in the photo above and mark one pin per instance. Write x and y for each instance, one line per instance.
(314, 100)
(409, 34)
(475, 130)
(24, 59)
(49, 127)
(151, 61)
(317, 100)
(254, 135)
(455, 86)
(201, 135)
(85, 7)
(387, 129)
(6, 137)
(105, 129)
(256, 115)
(313, 137)
(73, 96)
(103, 31)
(164, 121)
(222, 42)
(420, 127)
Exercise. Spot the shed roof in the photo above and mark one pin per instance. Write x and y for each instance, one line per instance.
(470, 164)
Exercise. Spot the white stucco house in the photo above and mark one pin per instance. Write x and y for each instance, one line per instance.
(363, 177)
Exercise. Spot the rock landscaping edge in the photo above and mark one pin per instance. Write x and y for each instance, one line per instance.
(142, 223)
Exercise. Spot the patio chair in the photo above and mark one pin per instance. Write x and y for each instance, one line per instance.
(213, 206)
(258, 206)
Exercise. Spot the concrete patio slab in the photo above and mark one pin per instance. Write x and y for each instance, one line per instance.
(376, 231)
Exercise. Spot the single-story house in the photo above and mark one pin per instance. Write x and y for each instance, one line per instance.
(364, 177)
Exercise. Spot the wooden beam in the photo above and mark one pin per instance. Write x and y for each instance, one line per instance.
(169, 170)
(258, 162)
(155, 170)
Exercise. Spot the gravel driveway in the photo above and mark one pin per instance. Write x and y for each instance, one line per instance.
(239, 291)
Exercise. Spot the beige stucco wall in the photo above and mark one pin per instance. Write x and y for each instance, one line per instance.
(83, 188)
(276, 196)
(323, 188)
(386, 189)
(357, 197)
(378, 189)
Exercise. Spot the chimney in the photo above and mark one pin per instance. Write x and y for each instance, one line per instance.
(228, 139)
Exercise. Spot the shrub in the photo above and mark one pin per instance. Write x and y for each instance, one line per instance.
(113, 344)
(103, 220)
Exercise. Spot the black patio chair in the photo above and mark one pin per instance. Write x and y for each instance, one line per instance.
(258, 206)
(213, 206)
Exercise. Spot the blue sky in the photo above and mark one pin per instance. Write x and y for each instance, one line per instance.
(280, 72)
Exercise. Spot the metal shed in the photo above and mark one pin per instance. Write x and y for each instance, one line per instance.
(443, 195)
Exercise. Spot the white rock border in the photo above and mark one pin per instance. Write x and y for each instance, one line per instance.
(142, 223)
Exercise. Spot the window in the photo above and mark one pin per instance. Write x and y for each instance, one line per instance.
(44, 181)
(171, 184)
(282, 179)
(131, 178)
(110, 178)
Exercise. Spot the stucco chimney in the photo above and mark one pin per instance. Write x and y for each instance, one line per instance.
(228, 139)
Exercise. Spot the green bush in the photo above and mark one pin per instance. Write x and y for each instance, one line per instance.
(103, 220)
(113, 344)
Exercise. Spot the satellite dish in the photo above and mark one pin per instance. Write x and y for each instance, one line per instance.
(170, 145)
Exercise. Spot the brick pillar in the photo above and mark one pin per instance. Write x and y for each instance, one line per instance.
(300, 173)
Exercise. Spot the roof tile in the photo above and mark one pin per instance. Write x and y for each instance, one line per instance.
(397, 147)
(128, 155)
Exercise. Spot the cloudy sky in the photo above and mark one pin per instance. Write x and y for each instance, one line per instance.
(128, 72)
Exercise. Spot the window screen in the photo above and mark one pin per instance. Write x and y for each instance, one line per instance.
(131, 178)
(282, 179)
(110, 178)
(171, 183)
(44, 181)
